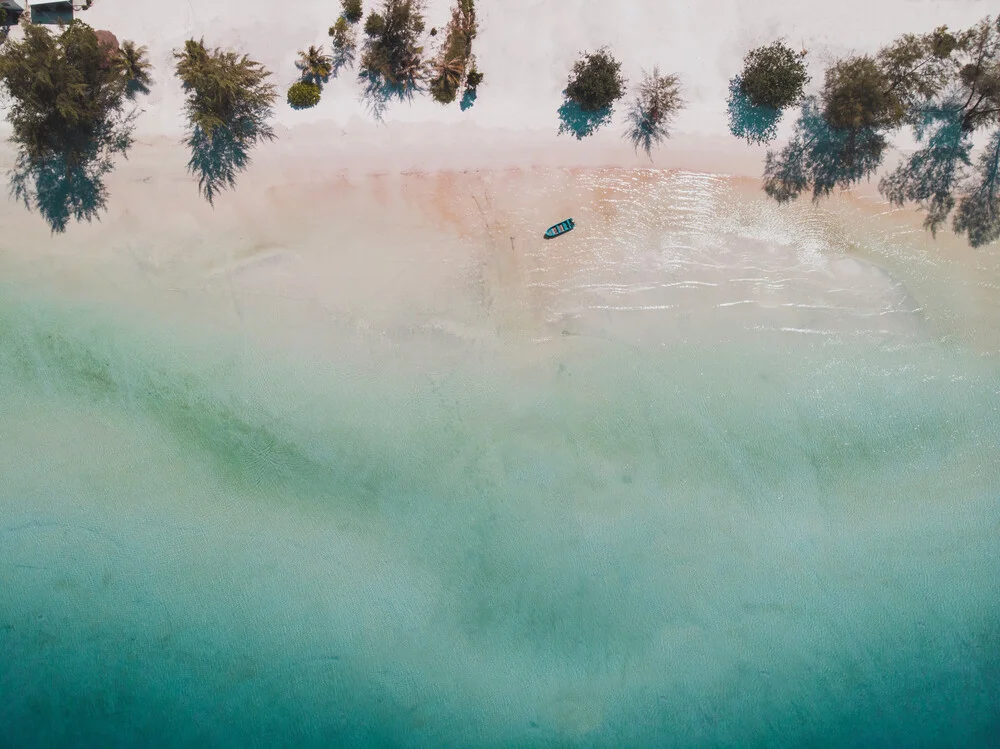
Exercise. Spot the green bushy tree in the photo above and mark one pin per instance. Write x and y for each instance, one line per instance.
(596, 81)
(773, 76)
(69, 118)
(303, 94)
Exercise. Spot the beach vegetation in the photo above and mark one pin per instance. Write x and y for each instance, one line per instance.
(942, 177)
(375, 24)
(774, 76)
(657, 101)
(450, 66)
(229, 106)
(352, 10)
(474, 78)
(133, 61)
(857, 94)
(315, 65)
(943, 85)
(392, 63)
(303, 94)
(344, 43)
(596, 81)
(70, 117)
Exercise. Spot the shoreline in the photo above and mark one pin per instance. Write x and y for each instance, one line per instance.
(383, 247)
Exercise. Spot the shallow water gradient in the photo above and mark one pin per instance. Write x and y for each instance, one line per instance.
(630, 525)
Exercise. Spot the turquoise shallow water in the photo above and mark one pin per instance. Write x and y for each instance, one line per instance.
(752, 536)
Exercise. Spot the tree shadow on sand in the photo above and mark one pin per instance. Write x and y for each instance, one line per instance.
(754, 124)
(573, 119)
(978, 214)
(342, 58)
(821, 157)
(69, 184)
(468, 99)
(941, 177)
(931, 175)
(217, 159)
(377, 93)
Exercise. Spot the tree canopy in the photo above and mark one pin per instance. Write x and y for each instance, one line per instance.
(945, 86)
(344, 43)
(452, 61)
(392, 53)
(596, 81)
(315, 65)
(352, 10)
(62, 92)
(68, 112)
(134, 64)
(773, 76)
(303, 94)
(229, 106)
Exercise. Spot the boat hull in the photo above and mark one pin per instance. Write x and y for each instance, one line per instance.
(559, 229)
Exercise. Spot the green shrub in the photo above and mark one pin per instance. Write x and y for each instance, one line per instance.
(473, 79)
(352, 10)
(303, 94)
(596, 81)
(773, 76)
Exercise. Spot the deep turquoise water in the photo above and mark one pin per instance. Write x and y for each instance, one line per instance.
(750, 536)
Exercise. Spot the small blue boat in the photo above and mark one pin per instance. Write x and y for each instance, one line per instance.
(561, 228)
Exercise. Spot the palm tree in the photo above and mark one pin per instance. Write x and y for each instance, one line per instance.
(449, 77)
(133, 63)
(316, 66)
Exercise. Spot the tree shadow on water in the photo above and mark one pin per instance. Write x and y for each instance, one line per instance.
(754, 124)
(218, 158)
(573, 119)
